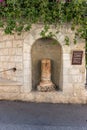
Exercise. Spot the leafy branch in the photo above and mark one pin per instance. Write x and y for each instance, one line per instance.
(19, 15)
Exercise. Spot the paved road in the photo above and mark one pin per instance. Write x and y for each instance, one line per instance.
(41, 116)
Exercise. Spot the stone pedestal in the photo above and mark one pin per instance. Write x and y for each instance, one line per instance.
(46, 83)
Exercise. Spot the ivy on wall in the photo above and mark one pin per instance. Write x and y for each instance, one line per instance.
(19, 15)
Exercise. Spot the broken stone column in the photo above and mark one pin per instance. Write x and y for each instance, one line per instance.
(46, 83)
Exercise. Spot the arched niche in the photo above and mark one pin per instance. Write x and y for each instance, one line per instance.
(51, 49)
(29, 41)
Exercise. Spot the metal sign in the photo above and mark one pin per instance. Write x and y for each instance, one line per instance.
(77, 57)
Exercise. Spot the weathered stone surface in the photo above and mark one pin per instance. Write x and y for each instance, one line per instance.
(17, 43)
(8, 44)
(46, 84)
(15, 51)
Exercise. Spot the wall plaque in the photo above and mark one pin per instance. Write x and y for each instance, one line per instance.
(77, 57)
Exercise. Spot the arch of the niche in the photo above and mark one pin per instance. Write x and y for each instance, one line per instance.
(27, 46)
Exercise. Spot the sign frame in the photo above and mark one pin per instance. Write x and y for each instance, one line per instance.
(77, 57)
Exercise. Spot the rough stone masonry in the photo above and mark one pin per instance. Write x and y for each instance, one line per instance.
(16, 51)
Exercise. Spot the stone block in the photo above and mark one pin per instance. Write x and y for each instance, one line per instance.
(2, 58)
(19, 66)
(26, 48)
(75, 100)
(12, 51)
(18, 59)
(13, 78)
(77, 79)
(11, 64)
(19, 73)
(67, 49)
(8, 44)
(79, 89)
(7, 37)
(26, 58)
(66, 57)
(73, 71)
(18, 37)
(68, 89)
(2, 52)
(10, 58)
(19, 51)
(9, 89)
(24, 34)
(19, 79)
(26, 64)
(18, 43)
(65, 71)
(2, 44)
(66, 63)
(30, 39)
(27, 87)
(5, 52)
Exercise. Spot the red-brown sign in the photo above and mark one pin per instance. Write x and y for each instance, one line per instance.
(77, 57)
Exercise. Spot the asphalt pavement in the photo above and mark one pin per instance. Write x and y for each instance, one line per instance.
(16, 115)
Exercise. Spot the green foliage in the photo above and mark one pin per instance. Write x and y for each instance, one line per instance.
(19, 15)
(67, 40)
(44, 33)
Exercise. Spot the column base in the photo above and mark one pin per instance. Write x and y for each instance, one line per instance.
(46, 87)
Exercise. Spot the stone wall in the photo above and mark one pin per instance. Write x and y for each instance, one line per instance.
(15, 51)
(11, 55)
